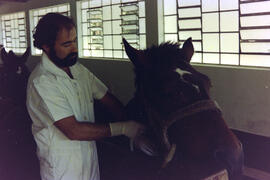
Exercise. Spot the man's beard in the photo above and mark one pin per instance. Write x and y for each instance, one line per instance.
(67, 61)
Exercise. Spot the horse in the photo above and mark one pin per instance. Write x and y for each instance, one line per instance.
(184, 126)
(14, 76)
(18, 160)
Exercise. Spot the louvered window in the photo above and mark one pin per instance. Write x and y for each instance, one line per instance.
(36, 14)
(103, 23)
(228, 32)
(14, 32)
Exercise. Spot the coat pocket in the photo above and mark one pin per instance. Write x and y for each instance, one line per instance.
(67, 163)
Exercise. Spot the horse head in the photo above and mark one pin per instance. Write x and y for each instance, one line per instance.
(165, 77)
(14, 75)
(14, 63)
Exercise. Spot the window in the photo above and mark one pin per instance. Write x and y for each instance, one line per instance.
(102, 24)
(36, 14)
(14, 32)
(228, 32)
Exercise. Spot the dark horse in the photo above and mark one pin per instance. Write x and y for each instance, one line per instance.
(17, 152)
(184, 126)
(13, 76)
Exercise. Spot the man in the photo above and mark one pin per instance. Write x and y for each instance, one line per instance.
(60, 97)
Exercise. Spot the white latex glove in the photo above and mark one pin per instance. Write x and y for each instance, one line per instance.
(130, 129)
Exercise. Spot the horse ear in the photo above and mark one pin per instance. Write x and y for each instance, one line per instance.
(11, 53)
(134, 55)
(4, 54)
(26, 54)
(188, 49)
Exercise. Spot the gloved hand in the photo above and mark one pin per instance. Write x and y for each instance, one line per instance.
(146, 145)
(130, 129)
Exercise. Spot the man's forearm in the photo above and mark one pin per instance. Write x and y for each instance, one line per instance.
(84, 131)
(91, 131)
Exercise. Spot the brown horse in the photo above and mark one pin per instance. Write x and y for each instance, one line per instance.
(17, 152)
(184, 126)
(13, 76)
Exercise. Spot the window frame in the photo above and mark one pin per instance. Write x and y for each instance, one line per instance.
(202, 52)
(113, 49)
(35, 13)
(15, 36)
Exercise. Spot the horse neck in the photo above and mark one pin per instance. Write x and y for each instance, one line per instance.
(13, 86)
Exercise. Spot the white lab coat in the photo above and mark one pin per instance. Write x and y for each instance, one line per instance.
(52, 95)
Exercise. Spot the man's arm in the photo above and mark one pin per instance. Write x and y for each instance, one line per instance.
(75, 130)
(87, 131)
(113, 105)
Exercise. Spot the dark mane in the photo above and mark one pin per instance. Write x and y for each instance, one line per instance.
(163, 53)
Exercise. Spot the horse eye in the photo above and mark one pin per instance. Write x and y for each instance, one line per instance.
(19, 70)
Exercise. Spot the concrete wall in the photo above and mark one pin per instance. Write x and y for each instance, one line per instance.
(242, 93)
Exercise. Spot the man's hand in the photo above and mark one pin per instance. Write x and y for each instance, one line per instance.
(146, 145)
(130, 129)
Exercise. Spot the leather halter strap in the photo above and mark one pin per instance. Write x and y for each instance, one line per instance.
(192, 109)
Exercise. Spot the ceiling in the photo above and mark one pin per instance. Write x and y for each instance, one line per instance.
(14, 0)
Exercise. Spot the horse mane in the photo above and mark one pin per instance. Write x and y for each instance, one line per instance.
(157, 56)
(165, 51)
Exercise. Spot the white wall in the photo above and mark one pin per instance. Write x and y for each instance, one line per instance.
(243, 93)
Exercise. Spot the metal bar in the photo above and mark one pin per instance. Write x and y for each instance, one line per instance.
(239, 34)
(255, 27)
(255, 14)
(196, 40)
(90, 8)
(251, 1)
(190, 29)
(189, 18)
(136, 14)
(216, 52)
(255, 40)
(201, 32)
(220, 11)
(245, 53)
(219, 34)
(177, 22)
(225, 32)
(255, 53)
(137, 34)
(129, 3)
(187, 7)
(132, 24)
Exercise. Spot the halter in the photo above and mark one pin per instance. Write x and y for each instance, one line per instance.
(197, 107)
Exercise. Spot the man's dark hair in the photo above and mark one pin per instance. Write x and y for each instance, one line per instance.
(46, 31)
